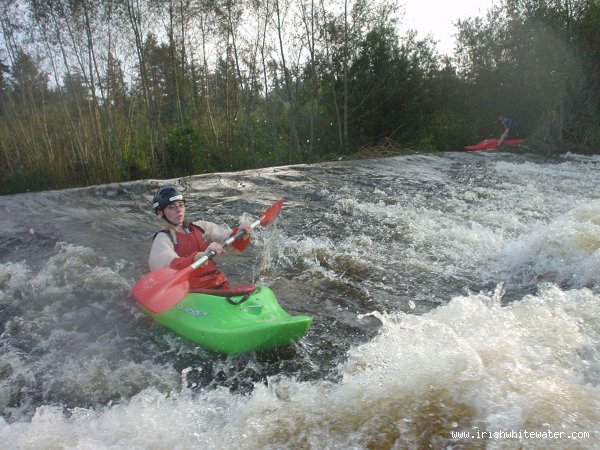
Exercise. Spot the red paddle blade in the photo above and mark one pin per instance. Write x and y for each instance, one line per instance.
(270, 214)
(162, 289)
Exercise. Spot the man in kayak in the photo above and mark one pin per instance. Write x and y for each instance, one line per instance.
(509, 129)
(181, 242)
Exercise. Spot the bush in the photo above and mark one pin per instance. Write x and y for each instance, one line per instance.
(183, 152)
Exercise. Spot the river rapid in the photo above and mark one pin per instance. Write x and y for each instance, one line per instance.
(455, 298)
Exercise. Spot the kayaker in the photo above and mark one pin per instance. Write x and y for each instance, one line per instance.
(181, 242)
(509, 129)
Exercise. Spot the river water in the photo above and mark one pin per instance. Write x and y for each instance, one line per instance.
(451, 293)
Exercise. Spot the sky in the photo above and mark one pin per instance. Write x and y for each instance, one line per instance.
(438, 17)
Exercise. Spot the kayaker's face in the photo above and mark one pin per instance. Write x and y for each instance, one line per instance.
(175, 212)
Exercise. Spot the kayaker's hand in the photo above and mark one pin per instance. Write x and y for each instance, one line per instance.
(199, 255)
(214, 247)
(247, 230)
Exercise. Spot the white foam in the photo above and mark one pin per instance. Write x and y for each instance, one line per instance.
(469, 364)
(565, 250)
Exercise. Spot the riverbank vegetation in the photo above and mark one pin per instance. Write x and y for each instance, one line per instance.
(116, 90)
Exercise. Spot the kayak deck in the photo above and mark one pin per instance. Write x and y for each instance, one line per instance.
(235, 323)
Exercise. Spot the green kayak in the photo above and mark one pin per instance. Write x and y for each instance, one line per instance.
(240, 319)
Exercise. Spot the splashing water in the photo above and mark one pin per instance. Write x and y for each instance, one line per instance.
(454, 296)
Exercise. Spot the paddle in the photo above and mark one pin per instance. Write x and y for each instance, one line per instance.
(164, 288)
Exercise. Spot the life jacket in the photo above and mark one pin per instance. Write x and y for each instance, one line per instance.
(188, 244)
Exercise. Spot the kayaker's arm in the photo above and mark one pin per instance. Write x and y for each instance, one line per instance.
(503, 137)
(215, 233)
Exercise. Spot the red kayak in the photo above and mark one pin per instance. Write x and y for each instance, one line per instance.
(491, 143)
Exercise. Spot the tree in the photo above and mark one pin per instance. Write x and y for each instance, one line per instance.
(520, 63)
(29, 82)
(4, 71)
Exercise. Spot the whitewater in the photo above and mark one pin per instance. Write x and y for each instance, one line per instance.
(455, 299)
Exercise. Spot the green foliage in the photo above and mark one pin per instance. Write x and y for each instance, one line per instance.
(183, 152)
(529, 60)
(339, 81)
(28, 80)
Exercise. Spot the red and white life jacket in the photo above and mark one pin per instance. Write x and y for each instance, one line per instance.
(188, 244)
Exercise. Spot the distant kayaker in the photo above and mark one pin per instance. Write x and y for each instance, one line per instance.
(182, 242)
(509, 129)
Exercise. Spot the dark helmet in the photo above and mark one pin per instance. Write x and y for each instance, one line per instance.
(165, 196)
